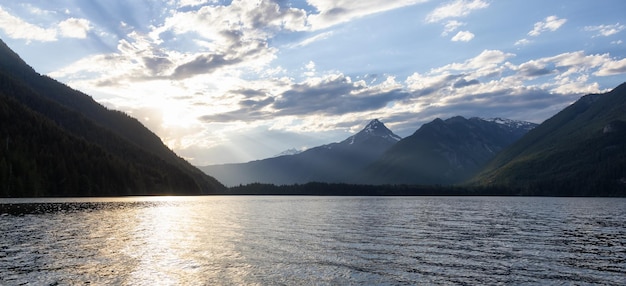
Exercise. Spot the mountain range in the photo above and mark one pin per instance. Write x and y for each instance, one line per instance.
(57, 141)
(327, 163)
(440, 152)
(444, 151)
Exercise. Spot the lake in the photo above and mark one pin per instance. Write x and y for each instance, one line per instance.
(270, 240)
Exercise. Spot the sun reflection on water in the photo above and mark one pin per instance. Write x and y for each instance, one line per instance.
(164, 239)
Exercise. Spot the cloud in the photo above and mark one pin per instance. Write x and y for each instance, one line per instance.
(74, 28)
(17, 28)
(612, 68)
(333, 12)
(331, 95)
(469, 88)
(523, 42)
(192, 3)
(455, 9)
(551, 23)
(310, 40)
(229, 34)
(337, 94)
(605, 30)
(486, 64)
(451, 26)
(533, 69)
(202, 64)
(463, 83)
(463, 36)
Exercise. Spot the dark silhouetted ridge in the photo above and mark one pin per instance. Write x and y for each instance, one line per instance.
(60, 142)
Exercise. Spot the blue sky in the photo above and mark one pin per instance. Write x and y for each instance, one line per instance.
(234, 81)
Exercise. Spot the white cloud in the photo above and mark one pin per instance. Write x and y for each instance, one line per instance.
(36, 10)
(606, 30)
(551, 23)
(463, 36)
(309, 69)
(486, 63)
(612, 67)
(17, 28)
(74, 28)
(523, 42)
(308, 41)
(469, 88)
(186, 3)
(455, 9)
(232, 34)
(333, 12)
(451, 26)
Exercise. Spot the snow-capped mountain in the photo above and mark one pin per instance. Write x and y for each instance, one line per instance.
(334, 162)
(288, 152)
(374, 129)
(514, 124)
(444, 151)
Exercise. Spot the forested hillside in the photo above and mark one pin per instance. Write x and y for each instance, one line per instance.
(580, 151)
(57, 141)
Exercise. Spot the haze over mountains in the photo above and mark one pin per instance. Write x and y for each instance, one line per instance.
(60, 142)
(327, 163)
(441, 152)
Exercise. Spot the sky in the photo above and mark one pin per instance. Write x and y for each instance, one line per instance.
(235, 81)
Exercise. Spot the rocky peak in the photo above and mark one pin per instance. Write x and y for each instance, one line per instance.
(374, 128)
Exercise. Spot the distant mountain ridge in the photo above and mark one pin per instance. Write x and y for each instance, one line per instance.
(333, 162)
(444, 151)
(85, 149)
(579, 151)
(375, 155)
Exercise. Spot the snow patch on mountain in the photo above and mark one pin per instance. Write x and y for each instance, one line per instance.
(374, 128)
(516, 124)
(289, 152)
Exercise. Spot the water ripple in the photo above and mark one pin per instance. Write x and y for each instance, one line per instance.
(313, 241)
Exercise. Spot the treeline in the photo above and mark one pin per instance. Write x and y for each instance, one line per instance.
(340, 189)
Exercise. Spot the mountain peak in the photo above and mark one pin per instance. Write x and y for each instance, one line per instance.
(374, 128)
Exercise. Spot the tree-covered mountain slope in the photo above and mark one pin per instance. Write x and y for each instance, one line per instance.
(579, 151)
(60, 142)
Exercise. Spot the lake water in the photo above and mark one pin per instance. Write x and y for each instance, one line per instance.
(313, 241)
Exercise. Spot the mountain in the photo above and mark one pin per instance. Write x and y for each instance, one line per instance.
(335, 162)
(580, 151)
(60, 142)
(444, 151)
(291, 151)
